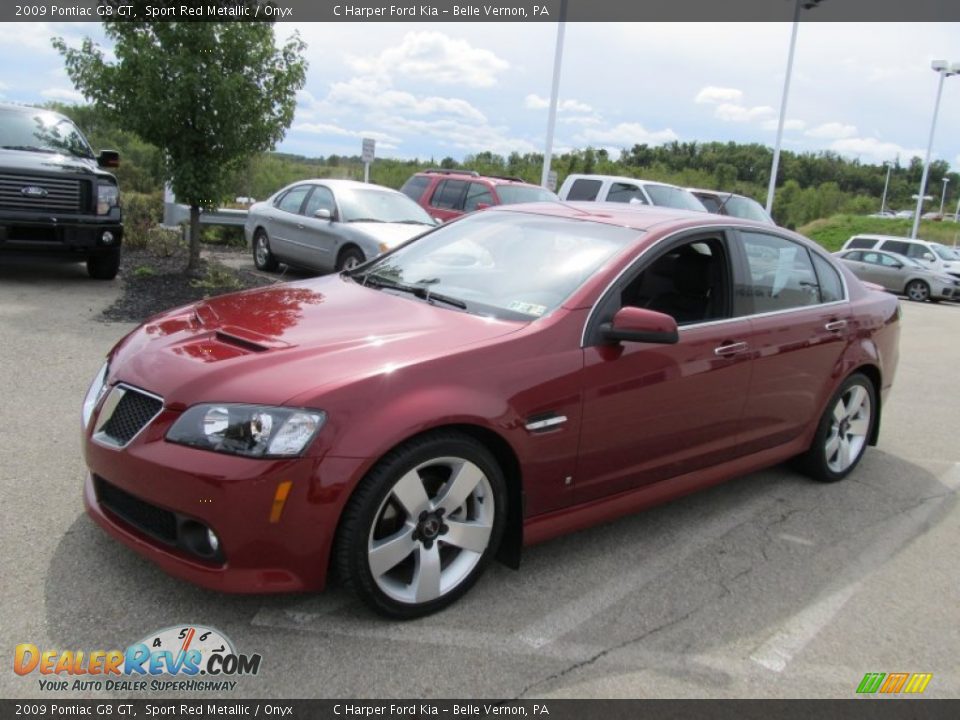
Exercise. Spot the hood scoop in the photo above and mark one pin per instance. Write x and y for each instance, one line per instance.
(248, 340)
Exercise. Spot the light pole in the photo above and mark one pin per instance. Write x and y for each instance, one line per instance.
(771, 188)
(554, 92)
(886, 184)
(944, 70)
(943, 196)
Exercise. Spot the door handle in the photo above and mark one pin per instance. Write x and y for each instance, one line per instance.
(730, 349)
(835, 326)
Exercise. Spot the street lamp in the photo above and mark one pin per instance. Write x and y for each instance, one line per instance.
(886, 184)
(554, 96)
(943, 197)
(806, 5)
(944, 70)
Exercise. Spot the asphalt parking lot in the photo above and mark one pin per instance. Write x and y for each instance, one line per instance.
(769, 586)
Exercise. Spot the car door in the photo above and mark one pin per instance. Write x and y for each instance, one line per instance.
(888, 272)
(801, 323)
(287, 222)
(871, 267)
(654, 411)
(319, 237)
(446, 202)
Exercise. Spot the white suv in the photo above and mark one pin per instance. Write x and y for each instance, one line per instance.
(614, 188)
(933, 255)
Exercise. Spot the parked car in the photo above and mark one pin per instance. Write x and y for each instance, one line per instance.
(55, 198)
(933, 255)
(613, 188)
(888, 214)
(727, 203)
(901, 275)
(412, 419)
(448, 194)
(905, 214)
(327, 225)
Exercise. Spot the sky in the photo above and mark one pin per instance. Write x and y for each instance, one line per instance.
(431, 90)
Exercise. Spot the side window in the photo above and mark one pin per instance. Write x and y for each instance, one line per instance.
(293, 199)
(414, 187)
(831, 287)
(918, 252)
(781, 273)
(477, 193)
(861, 243)
(584, 189)
(321, 198)
(689, 282)
(711, 203)
(871, 258)
(888, 261)
(624, 193)
(448, 195)
(855, 256)
(896, 246)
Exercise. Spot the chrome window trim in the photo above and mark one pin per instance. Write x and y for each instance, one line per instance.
(99, 437)
(720, 228)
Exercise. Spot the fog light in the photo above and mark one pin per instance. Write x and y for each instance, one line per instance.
(107, 237)
(213, 540)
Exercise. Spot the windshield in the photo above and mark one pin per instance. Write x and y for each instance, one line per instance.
(41, 131)
(508, 265)
(375, 205)
(747, 209)
(944, 252)
(510, 194)
(674, 197)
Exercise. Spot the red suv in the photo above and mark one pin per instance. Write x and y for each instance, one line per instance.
(447, 194)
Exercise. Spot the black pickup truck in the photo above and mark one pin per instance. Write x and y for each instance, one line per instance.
(55, 198)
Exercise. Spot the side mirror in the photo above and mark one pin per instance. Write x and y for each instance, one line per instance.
(323, 214)
(632, 324)
(108, 159)
(482, 206)
(438, 221)
(928, 257)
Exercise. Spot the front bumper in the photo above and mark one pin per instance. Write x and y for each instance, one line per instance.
(77, 235)
(234, 497)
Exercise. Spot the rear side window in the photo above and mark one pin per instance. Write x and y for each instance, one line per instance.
(584, 190)
(414, 187)
(710, 202)
(293, 199)
(624, 193)
(449, 195)
(861, 243)
(855, 256)
(896, 246)
(831, 287)
(781, 273)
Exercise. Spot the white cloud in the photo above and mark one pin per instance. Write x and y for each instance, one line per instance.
(712, 95)
(626, 135)
(788, 124)
(382, 138)
(535, 102)
(731, 112)
(464, 136)
(874, 150)
(375, 94)
(582, 120)
(64, 94)
(435, 57)
(832, 131)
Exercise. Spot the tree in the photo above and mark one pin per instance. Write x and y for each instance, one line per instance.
(208, 95)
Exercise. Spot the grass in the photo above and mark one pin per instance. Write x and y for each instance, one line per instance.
(833, 232)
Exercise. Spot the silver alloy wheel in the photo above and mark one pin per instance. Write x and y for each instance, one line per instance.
(261, 250)
(918, 291)
(849, 425)
(431, 530)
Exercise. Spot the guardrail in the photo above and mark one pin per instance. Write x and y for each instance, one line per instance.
(175, 213)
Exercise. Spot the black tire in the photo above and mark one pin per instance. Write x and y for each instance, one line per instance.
(375, 515)
(917, 290)
(263, 258)
(104, 266)
(349, 258)
(820, 461)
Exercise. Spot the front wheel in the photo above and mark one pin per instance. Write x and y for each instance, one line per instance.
(844, 431)
(263, 259)
(918, 290)
(105, 265)
(423, 525)
(349, 258)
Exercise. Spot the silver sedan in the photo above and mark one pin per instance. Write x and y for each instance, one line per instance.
(328, 225)
(901, 275)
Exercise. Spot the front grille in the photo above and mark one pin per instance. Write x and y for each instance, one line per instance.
(156, 522)
(61, 194)
(131, 414)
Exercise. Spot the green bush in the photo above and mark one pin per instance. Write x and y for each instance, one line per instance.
(223, 235)
(141, 213)
(163, 241)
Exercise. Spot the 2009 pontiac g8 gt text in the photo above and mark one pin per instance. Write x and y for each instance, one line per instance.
(514, 375)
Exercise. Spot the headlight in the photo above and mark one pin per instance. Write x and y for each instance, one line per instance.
(97, 388)
(108, 197)
(249, 430)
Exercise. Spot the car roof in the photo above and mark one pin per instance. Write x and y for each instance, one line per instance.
(716, 193)
(868, 236)
(474, 175)
(343, 184)
(618, 178)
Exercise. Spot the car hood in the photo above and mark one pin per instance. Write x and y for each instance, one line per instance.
(273, 344)
(48, 163)
(390, 234)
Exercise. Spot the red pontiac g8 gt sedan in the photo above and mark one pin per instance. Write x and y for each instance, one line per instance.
(517, 374)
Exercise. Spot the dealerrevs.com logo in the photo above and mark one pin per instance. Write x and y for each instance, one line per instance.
(894, 683)
(181, 651)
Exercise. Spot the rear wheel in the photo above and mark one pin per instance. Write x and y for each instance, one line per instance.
(423, 525)
(104, 266)
(349, 258)
(844, 431)
(262, 257)
(918, 290)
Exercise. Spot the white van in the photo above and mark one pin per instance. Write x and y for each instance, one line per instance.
(933, 255)
(615, 188)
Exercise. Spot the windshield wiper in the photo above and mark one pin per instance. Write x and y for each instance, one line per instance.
(420, 290)
(412, 222)
(365, 220)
